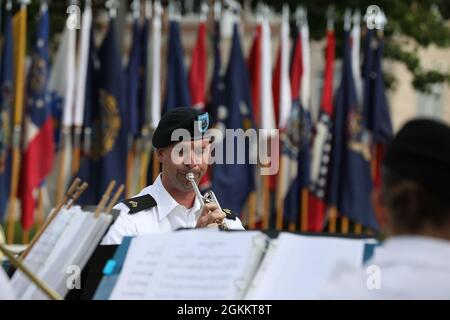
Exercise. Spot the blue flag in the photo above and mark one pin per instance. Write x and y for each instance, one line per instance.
(350, 182)
(216, 88)
(297, 148)
(379, 120)
(142, 91)
(133, 79)
(232, 183)
(108, 155)
(91, 93)
(6, 96)
(177, 90)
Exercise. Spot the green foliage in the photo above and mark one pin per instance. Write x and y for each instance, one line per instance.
(425, 21)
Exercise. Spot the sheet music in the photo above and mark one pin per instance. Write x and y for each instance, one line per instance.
(69, 240)
(296, 267)
(199, 264)
(203, 265)
(42, 250)
(52, 271)
(141, 260)
(7, 291)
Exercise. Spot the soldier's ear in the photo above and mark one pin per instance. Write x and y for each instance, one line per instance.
(160, 154)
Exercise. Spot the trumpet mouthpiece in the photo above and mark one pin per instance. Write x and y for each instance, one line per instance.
(190, 175)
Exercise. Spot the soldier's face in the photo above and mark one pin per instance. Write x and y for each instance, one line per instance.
(182, 158)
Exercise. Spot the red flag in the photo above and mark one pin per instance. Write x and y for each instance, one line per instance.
(296, 68)
(316, 203)
(38, 151)
(254, 68)
(197, 73)
(197, 83)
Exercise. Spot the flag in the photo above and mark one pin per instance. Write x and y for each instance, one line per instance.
(197, 72)
(285, 98)
(6, 96)
(322, 143)
(177, 92)
(38, 148)
(267, 116)
(133, 81)
(62, 83)
(91, 93)
(154, 68)
(83, 58)
(297, 143)
(350, 177)
(61, 87)
(216, 86)
(108, 156)
(282, 91)
(254, 68)
(296, 66)
(260, 67)
(143, 76)
(197, 83)
(356, 49)
(236, 115)
(376, 108)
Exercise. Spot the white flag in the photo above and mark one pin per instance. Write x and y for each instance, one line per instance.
(62, 77)
(285, 82)
(306, 78)
(267, 113)
(82, 66)
(356, 47)
(155, 64)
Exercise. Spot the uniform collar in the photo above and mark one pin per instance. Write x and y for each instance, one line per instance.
(166, 203)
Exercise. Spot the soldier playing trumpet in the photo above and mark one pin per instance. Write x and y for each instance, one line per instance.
(170, 202)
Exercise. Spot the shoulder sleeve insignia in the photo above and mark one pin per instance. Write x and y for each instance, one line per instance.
(229, 214)
(141, 203)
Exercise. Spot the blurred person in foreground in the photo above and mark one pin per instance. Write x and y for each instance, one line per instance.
(413, 210)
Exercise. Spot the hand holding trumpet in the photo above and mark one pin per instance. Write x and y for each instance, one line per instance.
(211, 216)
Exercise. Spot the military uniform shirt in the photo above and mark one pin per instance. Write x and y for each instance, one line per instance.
(410, 267)
(168, 215)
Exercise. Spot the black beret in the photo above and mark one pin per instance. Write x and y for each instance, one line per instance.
(194, 121)
(421, 152)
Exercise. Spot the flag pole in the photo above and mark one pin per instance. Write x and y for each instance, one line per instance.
(65, 134)
(304, 210)
(252, 210)
(40, 209)
(280, 201)
(345, 225)
(332, 211)
(144, 159)
(76, 152)
(156, 166)
(18, 115)
(130, 167)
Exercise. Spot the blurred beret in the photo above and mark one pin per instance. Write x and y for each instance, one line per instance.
(194, 121)
(421, 152)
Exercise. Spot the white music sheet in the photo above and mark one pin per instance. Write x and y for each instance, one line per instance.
(296, 267)
(200, 264)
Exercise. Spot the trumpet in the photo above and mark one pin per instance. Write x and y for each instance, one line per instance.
(208, 197)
